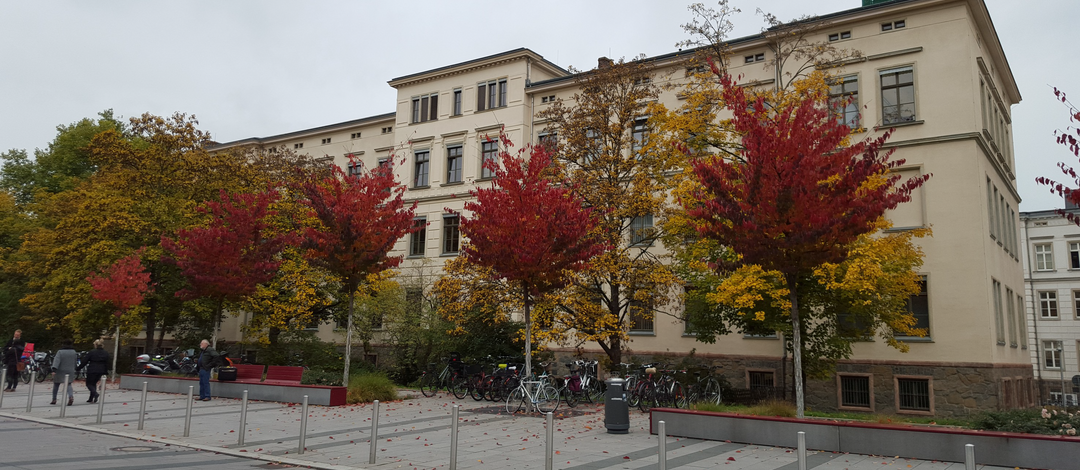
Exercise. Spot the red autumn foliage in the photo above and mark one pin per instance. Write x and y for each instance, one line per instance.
(227, 259)
(1067, 138)
(123, 285)
(796, 195)
(528, 227)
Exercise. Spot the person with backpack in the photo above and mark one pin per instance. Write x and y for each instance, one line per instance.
(12, 354)
(208, 360)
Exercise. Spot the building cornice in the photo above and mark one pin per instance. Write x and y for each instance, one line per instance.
(535, 60)
(388, 117)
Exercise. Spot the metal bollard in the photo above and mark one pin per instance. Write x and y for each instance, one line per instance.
(662, 446)
(453, 439)
(142, 406)
(63, 395)
(3, 380)
(802, 450)
(550, 441)
(969, 457)
(374, 431)
(243, 419)
(101, 398)
(187, 417)
(30, 398)
(303, 426)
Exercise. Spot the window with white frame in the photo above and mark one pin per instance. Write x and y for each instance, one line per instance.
(1011, 312)
(640, 316)
(1048, 307)
(839, 36)
(1021, 322)
(425, 108)
(844, 100)
(919, 307)
(489, 152)
(1074, 255)
(491, 94)
(1052, 354)
(999, 317)
(1044, 257)
(639, 133)
(422, 165)
(354, 168)
(451, 234)
(453, 164)
(992, 217)
(457, 102)
(418, 239)
(897, 95)
(641, 230)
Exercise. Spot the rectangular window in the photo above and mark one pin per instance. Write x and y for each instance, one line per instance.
(919, 307)
(641, 230)
(760, 379)
(1011, 311)
(489, 151)
(897, 95)
(451, 234)
(640, 316)
(354, 135)
(481, 90)
(893, 25)
(354, 168)
(423, 161)
(839, 36)
(855, 391)
(548, 141)
(1052, 354)
(755, 58)
(1044, 257)
(384, 161)
(457, 102)
(990, 208)
(999, 317)
(326, 141)
(387, 130)
(418, 239)
(298, 146)
(502, 93)
(844, 100)
(913, 394)
(414, 302)
(1022, 321)
(1048, 307)
(453, 164)
(639, 133)
(425, 108)
(1074, 255)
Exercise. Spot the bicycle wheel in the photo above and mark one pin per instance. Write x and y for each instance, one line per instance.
(569, 396)
(515, 401)
(648, 398)
(459, 385)
(476, 388)
(42, 375)
(633, 394)
(595, 390)
(25, 375)
(678, 396)
(547, 399)
(711, 392)
(429, 384)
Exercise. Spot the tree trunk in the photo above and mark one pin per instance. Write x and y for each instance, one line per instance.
(150, 321)
(217, 321)
(796, 344)
(348, 337)
(272, 336)
(528, 335)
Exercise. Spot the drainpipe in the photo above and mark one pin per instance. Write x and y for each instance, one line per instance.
(1029, 287)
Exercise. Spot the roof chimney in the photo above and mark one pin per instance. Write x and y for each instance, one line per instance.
(604, 62)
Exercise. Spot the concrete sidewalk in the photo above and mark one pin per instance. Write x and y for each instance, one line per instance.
(415, 433)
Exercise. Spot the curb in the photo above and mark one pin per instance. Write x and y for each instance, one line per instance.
(174, 442)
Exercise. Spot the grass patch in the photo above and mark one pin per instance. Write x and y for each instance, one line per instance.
(370, 386)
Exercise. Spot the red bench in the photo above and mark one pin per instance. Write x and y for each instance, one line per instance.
(249, 373)
(284, 375)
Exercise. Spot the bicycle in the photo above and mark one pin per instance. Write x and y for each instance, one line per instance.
(706, 389)
(452, 377)
(539, 395)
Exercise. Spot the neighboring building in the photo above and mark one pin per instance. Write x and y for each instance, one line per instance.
(1052, 275)
(932, 69)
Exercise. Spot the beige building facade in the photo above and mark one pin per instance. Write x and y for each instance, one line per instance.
(933, 70)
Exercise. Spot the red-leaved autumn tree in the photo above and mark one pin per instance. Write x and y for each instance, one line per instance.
(236, 251)
(796, 194)
(1068, 138)
(528, 227)
(123, 285)
(362, 215)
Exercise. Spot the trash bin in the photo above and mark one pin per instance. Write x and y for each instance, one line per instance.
(616, 411)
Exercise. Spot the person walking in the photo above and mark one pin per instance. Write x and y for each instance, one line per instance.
(64, 364)
(11, 355)
(208, 359)
(97, 365)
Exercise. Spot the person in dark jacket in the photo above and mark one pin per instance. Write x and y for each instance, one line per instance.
(208, 360)
(97, 365)
(64, 365)
(12, 354)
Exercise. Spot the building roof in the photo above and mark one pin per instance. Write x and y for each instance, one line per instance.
(521, 51)
(314, 130)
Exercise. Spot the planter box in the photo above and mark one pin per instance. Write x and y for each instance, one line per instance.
(317, 394)
(917, 442)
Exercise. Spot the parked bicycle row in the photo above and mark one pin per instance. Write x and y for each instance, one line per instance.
(646, 386)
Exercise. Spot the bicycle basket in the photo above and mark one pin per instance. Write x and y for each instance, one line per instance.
(574, 384)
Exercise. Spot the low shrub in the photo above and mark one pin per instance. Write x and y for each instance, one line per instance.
(772, 408)
(1038, 421)
(320, 377)
(369, 386)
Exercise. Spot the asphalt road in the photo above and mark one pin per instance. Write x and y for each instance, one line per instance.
(29, 445)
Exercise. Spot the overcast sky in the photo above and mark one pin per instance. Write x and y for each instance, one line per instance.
(251, 68)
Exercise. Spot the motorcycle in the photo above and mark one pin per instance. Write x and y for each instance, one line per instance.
(144, 364)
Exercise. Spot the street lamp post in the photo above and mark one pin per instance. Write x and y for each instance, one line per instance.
(1061, 357)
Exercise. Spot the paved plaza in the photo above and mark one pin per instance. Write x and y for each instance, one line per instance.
(413, 433)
